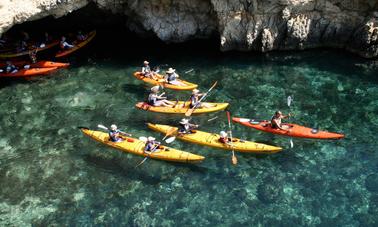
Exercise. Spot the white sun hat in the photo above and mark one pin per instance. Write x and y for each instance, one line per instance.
(113, 127)
(184, 121)
(195, 91)
(170, 70)
(223, 134)
(146, 62)
(150, 138)
(155, 88)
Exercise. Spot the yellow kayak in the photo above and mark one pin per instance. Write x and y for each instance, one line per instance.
(135, 146)
(189, 86)
(181, 107)
(212, 140)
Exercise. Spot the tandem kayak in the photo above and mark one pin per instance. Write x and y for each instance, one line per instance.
(14, 54)
(135, 146)
(294, 130)
(30, 72)
(39, 64)
(77, 45)
(189, 86)
(212, 140)
(181, 107)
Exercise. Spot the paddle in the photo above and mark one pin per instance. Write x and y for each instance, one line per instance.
(170, 132)
(190, 70)
(148, 154)
(234, 160)
(190, 111)
(103, 127)
(289, 100)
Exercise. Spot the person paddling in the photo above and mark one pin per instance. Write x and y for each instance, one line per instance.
(194, 100)
(276, 121)
(223, 137)
(148, 72)
(114, 134)
(185, 127)
(80, 37)
(151, 145)
(154, 99)
(64, 44)
(10, 68)
(171, 77)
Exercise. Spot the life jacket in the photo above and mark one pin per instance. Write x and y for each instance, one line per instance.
(151, 100)
(171, 77)
(193, 101)
(113, 135)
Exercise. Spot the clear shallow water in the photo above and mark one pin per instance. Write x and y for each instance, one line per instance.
(51, 174)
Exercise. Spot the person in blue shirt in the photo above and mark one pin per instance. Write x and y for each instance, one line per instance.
(64, 44)
(114, 134)
(151, 145)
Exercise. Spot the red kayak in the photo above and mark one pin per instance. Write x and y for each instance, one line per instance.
(39, 64)
(29, 72)
(293, 130)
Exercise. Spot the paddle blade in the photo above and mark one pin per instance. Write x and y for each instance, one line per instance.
(143, 138)
(102, 127)
(234, 160)
(244, 120)
(170, 139)
(189, 112)
(289, 100)
(291, 143)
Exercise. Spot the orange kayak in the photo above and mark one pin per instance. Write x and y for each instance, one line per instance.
(77, 46)
(39, 64)
(14, 54)
(30, 72)
(293, 130)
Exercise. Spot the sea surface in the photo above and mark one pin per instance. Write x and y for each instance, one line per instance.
(51, 174)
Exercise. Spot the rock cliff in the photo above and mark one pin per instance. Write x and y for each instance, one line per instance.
(260, 25)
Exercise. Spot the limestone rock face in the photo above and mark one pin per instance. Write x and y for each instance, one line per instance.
(260, 25)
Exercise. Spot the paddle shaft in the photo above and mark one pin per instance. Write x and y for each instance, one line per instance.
(233, 159)
(190, 111)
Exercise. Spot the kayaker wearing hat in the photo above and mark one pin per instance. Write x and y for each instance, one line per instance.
(172, 77)
(151, 145)
(114, 134)
(154, 99)
(276, 121)
(186, 127)
(147, 72)
(223, 137)
(194, 100)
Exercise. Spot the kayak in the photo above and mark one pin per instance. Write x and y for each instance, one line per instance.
(294, 130)
(135, 146)
(180, 108)
(26, 52)
(77, 46)
(30, 72)
(212, 140)
(39, 64)
(189, 86)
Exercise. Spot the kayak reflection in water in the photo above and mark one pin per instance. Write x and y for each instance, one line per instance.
(151, 145)
(185, 127)
(276, 121)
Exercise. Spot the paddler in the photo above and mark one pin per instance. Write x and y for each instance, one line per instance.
(33, 55)
(10, 68)
(114, 134)
(64, 44)
(276, 121)
(185, 127)
(223, 137)
(194, 100)
(151, 145)
(147, 72)
(171, 77)
(154, 99)
(80, 36)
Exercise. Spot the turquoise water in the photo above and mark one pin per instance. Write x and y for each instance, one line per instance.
(51, 174)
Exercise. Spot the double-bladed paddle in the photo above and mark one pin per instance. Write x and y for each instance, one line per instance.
(190, 111)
